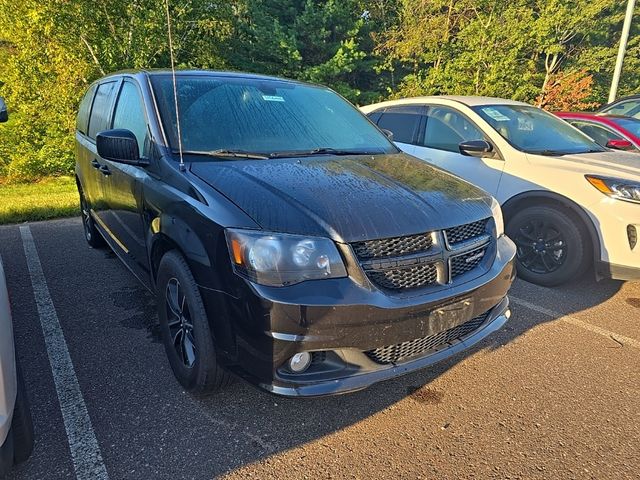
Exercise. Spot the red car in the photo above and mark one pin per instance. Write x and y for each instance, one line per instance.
(612, 131)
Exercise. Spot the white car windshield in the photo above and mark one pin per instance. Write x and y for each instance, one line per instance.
(532, 130)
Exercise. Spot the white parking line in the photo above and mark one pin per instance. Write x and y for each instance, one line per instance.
(85, 451)
(577, 322)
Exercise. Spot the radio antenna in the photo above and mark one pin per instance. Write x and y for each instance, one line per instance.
(175, 86)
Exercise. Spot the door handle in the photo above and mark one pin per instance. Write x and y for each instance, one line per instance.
(95, 164)
(104, 170)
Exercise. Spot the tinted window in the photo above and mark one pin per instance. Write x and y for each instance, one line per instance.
(83, 110)
(129, 113)
(630, 124)
(403, 125)
(446, 129)
(599, 133)
(262, 116)
(375, 116)
(100, 111)
(533, 130)
(629, 107)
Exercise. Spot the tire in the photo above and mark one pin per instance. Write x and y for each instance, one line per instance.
(185, 328)
(21, 424)
(18, 445)
(551, 245)
(91, 234)
(6, 455)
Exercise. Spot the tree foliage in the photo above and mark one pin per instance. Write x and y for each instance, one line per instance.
(556, 53)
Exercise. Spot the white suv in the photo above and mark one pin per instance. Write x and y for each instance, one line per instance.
(568, 202)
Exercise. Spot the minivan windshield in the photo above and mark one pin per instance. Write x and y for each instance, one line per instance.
(242, 116)
(532, 130)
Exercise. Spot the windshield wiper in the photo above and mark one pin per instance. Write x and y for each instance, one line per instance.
(318, 151)
(549, 153)
(227, 154)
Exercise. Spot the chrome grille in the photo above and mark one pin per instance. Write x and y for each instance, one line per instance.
(405, 278)
(393, 247)
(466, 262)
(421, 346)
(465, 232)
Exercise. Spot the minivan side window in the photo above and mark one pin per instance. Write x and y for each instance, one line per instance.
(83, 110)
(403, 124)
(447, 128)
(129, 113)
(100, 111)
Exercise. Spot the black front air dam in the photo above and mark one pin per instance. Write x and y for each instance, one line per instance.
(496, 319)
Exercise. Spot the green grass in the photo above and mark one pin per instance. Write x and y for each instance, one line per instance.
(42, 200)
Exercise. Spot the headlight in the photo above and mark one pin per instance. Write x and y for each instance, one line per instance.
(496, 210)
(619, 188)
(278, 259)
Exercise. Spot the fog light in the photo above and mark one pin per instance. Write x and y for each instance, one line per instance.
(632, 234)
(300, 362)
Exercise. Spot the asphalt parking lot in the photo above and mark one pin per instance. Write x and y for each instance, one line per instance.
(555, 394)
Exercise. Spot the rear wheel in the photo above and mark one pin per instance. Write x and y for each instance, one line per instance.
(185, 329)
(91, 234)
(551, 248)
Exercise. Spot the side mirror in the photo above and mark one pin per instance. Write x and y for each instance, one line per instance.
(619, 144)
(120, 146)
(4, 114)
(388, 133)
(475, 148)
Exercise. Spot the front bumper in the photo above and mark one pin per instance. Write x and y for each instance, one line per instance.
(366, 373)
(619, 255)
(342, 323)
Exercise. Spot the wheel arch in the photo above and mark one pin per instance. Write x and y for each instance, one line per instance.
(541, 197)
(174, 234)
(168, 233)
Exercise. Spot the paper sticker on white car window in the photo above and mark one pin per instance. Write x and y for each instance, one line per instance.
(495, 114)
(525, 124)
(273, 98)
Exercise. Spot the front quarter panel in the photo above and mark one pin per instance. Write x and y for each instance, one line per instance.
(193, 217)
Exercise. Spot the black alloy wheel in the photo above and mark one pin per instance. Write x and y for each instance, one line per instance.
(552, 245)
(541, 246)
(185, 329)
(180, 326)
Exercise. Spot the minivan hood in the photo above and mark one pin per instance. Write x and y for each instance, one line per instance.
(347, 198)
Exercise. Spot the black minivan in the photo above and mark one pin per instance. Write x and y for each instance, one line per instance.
(287, 240)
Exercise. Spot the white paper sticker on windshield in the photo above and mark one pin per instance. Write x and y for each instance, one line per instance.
(272, 98)
(495, 114)
(525, 124)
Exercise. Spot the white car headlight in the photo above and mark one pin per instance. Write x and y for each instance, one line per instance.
(278, 259)
(496, 210)
(627, 190)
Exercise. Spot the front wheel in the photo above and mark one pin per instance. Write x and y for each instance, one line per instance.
(185, 329)
(551, 246)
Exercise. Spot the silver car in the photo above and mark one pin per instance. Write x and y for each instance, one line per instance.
(16, 429)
